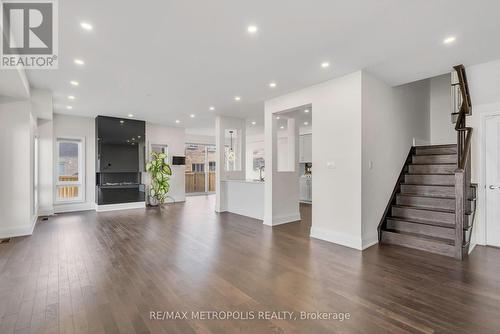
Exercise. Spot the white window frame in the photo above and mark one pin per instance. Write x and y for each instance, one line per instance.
(81, 171)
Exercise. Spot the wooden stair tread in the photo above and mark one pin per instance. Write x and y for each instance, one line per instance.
(429, 185)
(424, 237)
(422, 221)
(437, 146)
(424, 196)
(425, 208)
(437, 174)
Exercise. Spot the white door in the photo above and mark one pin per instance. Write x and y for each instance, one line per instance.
(492, 155)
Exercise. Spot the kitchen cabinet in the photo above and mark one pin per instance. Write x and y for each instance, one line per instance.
(305, 148)
(305, 189)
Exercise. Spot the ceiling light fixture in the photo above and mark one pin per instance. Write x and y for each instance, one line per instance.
(192, 115)
(306, 111)
(122, 121)
(212, 108)
(272, 84)
(79, 62)
(306, 123)
(69, 107)
(252, 29)
(130, 115)
(237, 98)
(177, 121)
(325, 64)
(86, 26)
(253, 123)
(74, 83)
(449, 40)
(71, 97)
(277, 117)
(282, 127)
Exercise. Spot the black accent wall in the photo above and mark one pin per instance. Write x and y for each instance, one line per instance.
(119, 160)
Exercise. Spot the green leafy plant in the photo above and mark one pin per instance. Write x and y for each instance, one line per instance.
(160, 173)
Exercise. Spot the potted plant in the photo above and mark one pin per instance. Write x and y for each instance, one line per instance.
(160, 173)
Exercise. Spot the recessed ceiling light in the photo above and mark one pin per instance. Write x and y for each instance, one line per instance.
(122, 121)
(71, 97)
(306, 111)
(449, 40)
(277, 117)
(69, 107)
(237, 98)
(282, 127)
(272, 84)
(177, 121)
(130, 115)
(325, 64)
(192, 115)
(252, 29)
(253, 123)
(74, 83)
(79, 62)
(86, 26)
(139, 137)
(133, 138)
(212, 108)
(306, 123)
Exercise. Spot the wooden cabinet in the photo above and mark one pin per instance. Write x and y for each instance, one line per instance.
(305, 148)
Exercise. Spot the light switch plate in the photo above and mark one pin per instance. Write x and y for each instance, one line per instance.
(331, 165)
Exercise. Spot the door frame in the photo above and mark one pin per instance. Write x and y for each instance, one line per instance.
(482, 224)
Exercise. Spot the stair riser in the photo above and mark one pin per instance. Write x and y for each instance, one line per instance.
(436, 150)
(428, 190)
(434, 231)
(430, 179)
(434, 159)
(429, 202)
(432, 169)
(416, 243)
(443, 217)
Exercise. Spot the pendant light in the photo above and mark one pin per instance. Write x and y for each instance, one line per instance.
(231, 156)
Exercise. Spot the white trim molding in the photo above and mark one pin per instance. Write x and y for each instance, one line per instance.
(280, 220)
(337, 238)
(19, 231)
(120, 206)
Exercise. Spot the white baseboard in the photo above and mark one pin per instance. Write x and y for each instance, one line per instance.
(62, 208)
(120, 206)
(46, 211)
(280, 220)
(20, 231)
(368, 242)
(337, 238)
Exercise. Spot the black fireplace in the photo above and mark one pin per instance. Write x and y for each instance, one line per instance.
(119, 160)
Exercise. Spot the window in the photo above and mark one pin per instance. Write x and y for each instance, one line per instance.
(69, 170)
(198, 168)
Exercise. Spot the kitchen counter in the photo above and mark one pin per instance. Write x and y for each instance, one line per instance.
(245, 197)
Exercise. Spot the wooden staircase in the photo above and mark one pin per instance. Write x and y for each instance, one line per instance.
(433, 203)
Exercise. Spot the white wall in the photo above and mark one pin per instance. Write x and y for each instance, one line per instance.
(336, 156)
(442, 130)
(67, 126)
(16, 169)
(484, 83)
(200, 139)
(175, 139)
(391, 119)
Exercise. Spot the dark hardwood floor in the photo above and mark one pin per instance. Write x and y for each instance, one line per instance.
(94, 272)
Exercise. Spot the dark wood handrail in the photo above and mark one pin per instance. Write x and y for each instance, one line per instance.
(464, 132)
(463, 173)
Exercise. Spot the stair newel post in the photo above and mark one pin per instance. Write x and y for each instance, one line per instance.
(459, 212)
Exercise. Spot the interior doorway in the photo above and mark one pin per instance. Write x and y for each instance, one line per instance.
(492, 178)
(200, 169)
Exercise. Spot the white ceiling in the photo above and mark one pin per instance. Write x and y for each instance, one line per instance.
(165, 60)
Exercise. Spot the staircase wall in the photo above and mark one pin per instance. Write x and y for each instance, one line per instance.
(441, 129)
(484, 80)
(392, 117)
